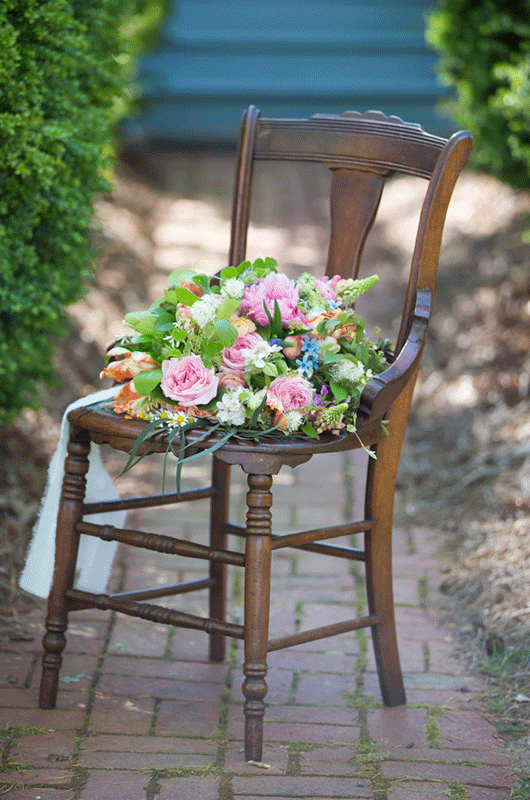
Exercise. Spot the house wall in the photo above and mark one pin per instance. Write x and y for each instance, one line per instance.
(291, 59)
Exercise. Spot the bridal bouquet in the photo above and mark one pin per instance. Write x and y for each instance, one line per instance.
(249, 353)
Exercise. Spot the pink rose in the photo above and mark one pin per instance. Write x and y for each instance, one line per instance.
(290, 393)
(233, 358)
(265, 291)
(188, 381)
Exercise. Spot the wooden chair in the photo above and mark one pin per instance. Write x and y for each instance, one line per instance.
(362, 151)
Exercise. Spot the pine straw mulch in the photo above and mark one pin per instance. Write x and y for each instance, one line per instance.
(466, 464)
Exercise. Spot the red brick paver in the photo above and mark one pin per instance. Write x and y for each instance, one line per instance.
(143, 715)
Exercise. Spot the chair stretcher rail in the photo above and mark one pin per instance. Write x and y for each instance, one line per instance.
(165, 616)
(149, 594)
(351, 553)
(147, 501)
(307, 537)
(161, 544)
(322, 633)
(304, 540)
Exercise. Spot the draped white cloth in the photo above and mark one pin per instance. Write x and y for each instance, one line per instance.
(94, 560)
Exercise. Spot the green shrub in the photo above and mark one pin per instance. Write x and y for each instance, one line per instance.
(58, 78)
(485, 56)
(65, 70)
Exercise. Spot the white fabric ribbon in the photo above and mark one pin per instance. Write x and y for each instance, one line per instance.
(95, 557)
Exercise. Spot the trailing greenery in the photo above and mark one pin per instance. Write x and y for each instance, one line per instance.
(485, 56)
(64, 66)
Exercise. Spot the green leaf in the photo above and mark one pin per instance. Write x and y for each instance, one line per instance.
(164, 322)
(210, 349)
(146, 381)
(277, 321)
(185, 297)
(203, 281)
(227, 307)
(226, 333)
(330, 358)
(141, 321)
(270, 369)
(179, 335)
(340, 393)
(170, 296)
(309, 430)
(257, 412)
(150, 430)
(175, 278)
(229, 272)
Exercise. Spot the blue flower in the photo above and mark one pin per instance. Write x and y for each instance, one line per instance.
(307, 364)
(311, 347)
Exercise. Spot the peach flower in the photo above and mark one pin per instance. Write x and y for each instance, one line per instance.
(229, 379)
(127, 367)
(242, 325)
(294, 348)
(126, 399)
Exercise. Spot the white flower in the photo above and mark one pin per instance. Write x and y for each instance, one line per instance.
(257, 356)
(170, 419)
(347, 372)
(230, 409)
(233, 287)
(204, 310)
(294, 420)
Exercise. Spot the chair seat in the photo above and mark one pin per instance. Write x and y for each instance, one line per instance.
(269, 453)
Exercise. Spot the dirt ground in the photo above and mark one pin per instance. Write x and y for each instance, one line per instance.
(465, 469)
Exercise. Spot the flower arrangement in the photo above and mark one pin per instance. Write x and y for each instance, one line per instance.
(250, 352)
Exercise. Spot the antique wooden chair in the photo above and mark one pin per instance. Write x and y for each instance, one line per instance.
(362, 151)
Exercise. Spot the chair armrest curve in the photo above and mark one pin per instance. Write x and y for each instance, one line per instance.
(379, 394)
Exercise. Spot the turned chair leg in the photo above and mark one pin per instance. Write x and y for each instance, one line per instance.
(67, 543)
(257, 600)
(219, 510)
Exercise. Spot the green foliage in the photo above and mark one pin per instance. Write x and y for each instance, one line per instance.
(63, 69)
(485, 56)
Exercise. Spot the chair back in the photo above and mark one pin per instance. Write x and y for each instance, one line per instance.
(362, 151)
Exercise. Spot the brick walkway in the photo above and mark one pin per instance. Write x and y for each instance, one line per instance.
(142, 715)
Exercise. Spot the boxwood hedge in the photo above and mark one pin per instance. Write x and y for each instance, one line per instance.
(60, 74)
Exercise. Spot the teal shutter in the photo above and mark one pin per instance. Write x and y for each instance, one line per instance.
(291, 59)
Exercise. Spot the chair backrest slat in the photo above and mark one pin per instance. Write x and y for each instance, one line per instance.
(362, 151)
(350, 220)
(367, 142)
